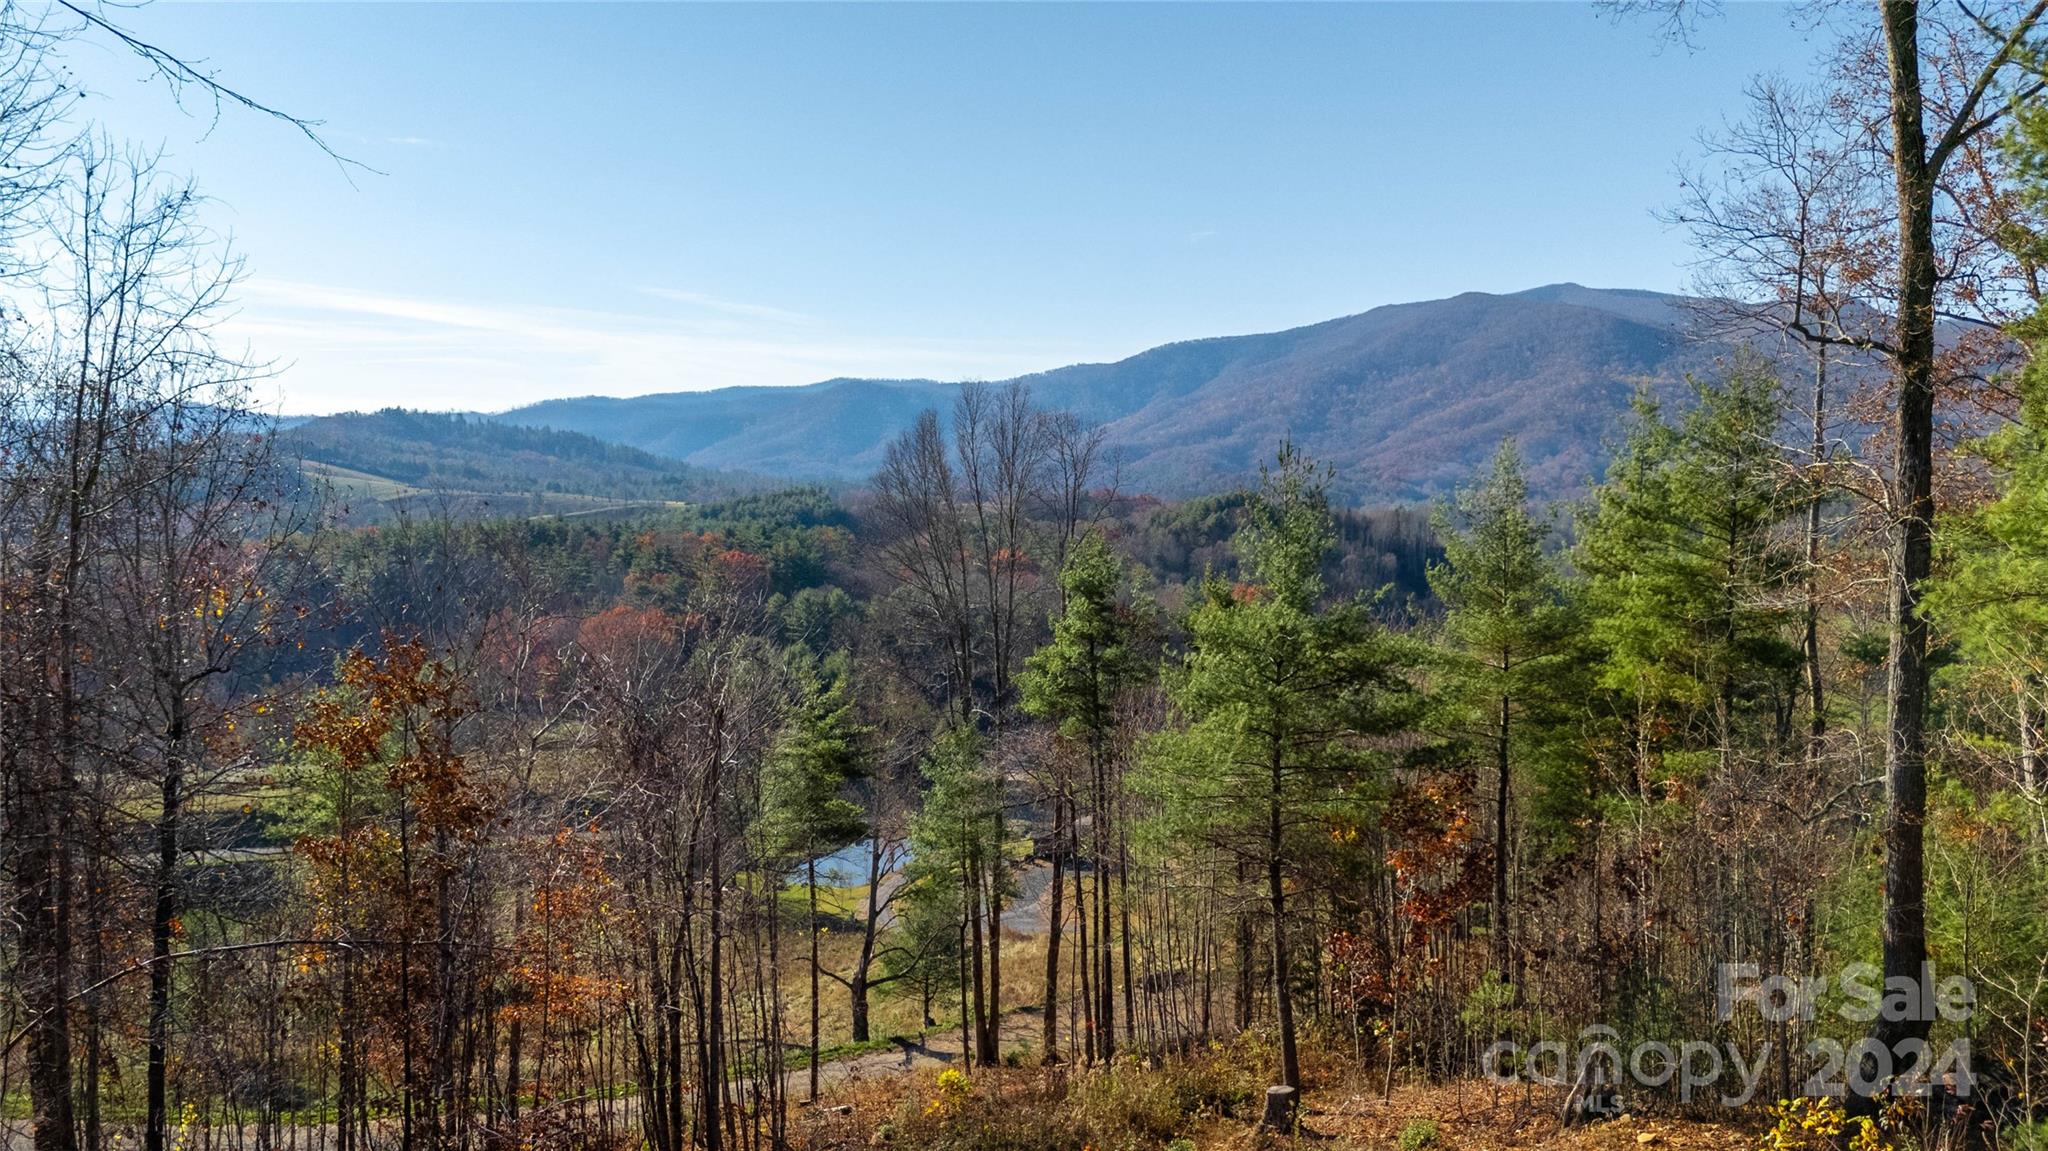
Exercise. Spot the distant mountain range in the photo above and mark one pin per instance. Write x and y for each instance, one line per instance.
(378, 463)
(1405, 401)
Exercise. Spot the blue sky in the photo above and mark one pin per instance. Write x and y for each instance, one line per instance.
(598, 198)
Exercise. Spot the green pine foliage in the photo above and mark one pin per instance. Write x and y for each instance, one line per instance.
(1510, 667)
(963, 800)
(1288, 706)
(1094, 654)
(807, 813)
(1281, 696)
(1686, 567)
(1993, 595)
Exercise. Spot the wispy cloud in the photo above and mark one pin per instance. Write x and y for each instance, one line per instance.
(412, 141)
(349, 348)
(726, 307)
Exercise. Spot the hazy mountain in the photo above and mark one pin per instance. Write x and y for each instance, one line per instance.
(833, 429)
(1404, 400)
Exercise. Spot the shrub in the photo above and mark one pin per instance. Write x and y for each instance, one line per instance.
(989, 1113)
(2026, 1136)
(1124, 1107)
(954, 1093)
(1820, 1125)
(1156, 1105)
(1419, 1133)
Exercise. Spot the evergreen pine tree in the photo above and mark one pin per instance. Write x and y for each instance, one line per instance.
(806, 813)
(1284, 702)
(1077, 680)
(1686, 572)
(1509, 652)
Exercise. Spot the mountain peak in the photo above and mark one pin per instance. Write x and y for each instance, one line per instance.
(1405, 401)
(1656, 308)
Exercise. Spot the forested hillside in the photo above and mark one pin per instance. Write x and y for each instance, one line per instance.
(1401, 400)
(1478, 782)
(376, 463)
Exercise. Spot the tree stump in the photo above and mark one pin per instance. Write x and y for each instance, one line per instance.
(1281, 1103)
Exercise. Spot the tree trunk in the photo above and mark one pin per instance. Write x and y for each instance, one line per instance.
(349, 1095)
(1501, 948)
(1083, 957)
(770, 989)
(156, 1112)
(971, 885)
(1247, 945)
(992, 1038)
(1276, 893)
(93, 1058)
(44, 905)
(1282, 1108)
(1817, 723)
(1049, 1017)
(1105, 974)
(515, 1032)
(857, 987)
(1123, 884)
(445, 1115)
(44, 894)
(714, 994)
(811, 881)
(966, 1016)
(1905, 929)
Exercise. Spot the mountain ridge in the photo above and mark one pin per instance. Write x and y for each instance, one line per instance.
(1404, 400)
(375, 464)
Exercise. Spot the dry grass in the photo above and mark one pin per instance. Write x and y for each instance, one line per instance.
(1211, 1101)
(895, 1009)
(1474, 1116)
